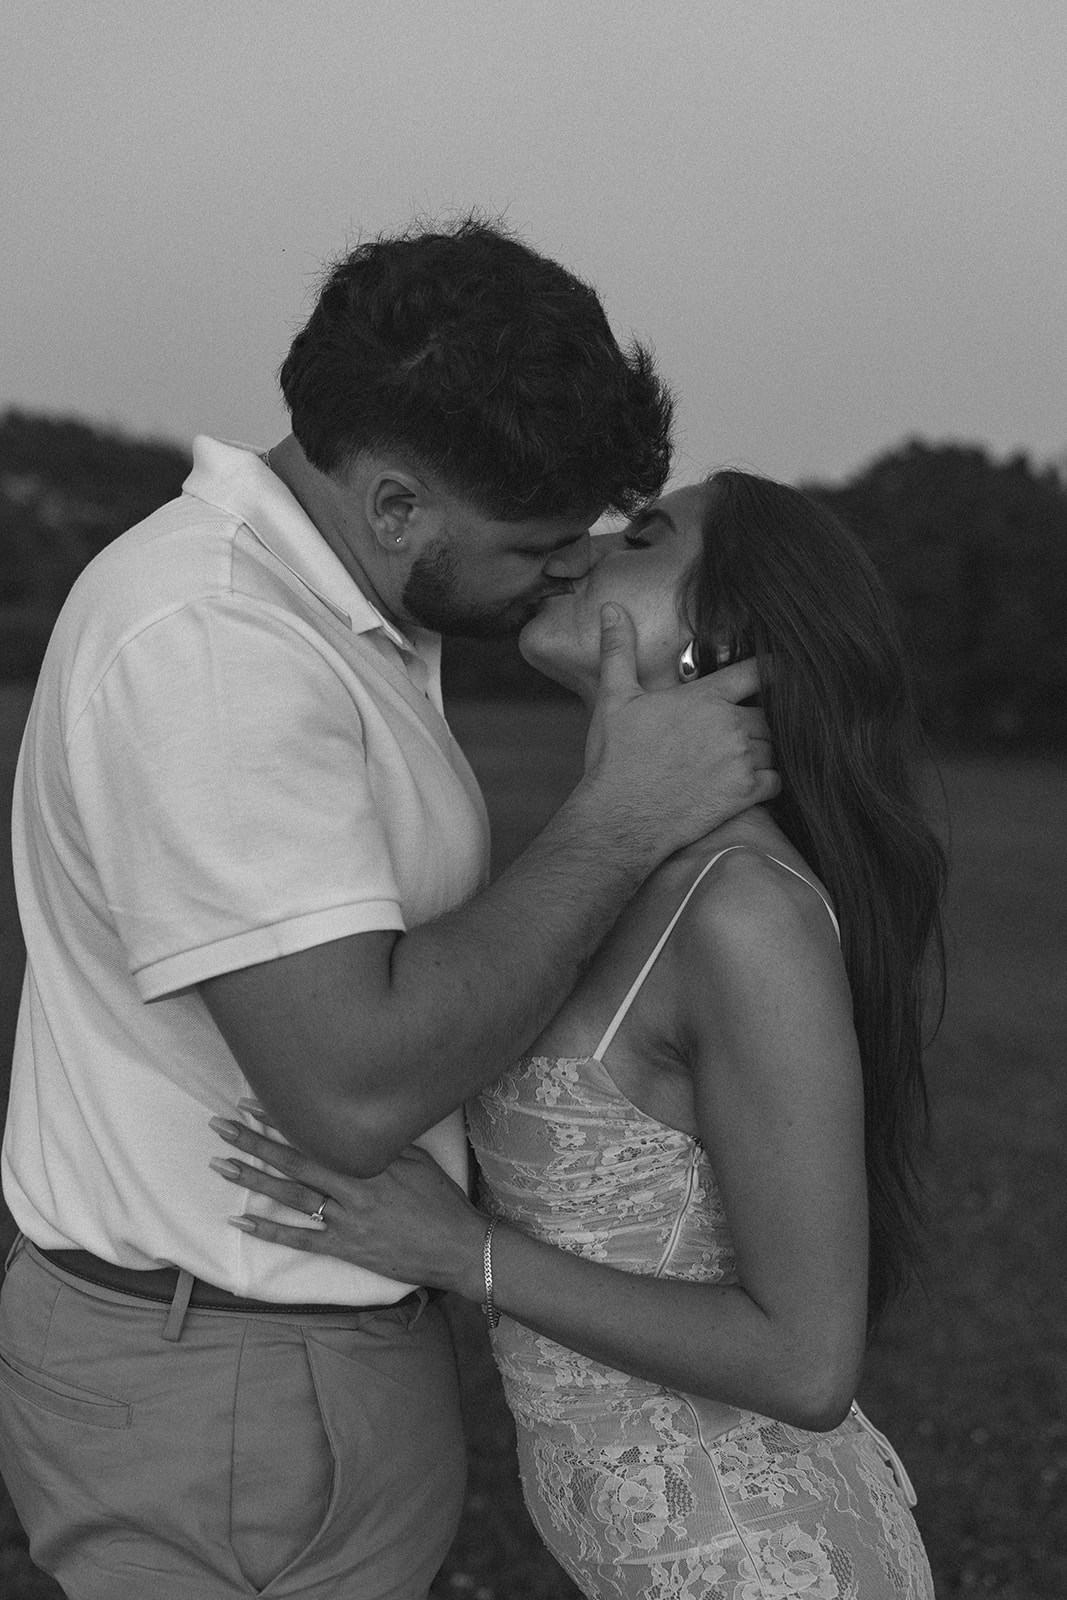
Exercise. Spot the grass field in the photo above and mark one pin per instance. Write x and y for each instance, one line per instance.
(969, 1377)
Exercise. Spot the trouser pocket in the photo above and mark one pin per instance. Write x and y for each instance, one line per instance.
(38, 1391)
(283, 1466)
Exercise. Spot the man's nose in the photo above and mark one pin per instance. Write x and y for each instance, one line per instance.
(573, 561)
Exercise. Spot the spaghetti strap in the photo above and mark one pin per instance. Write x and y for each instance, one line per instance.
(818, 891)
(631, 994)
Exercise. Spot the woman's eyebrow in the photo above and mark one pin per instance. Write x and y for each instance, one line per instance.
(652, 514)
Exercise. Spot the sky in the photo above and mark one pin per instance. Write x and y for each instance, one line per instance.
(839, 223)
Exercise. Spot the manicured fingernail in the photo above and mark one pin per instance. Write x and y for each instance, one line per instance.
(228, 1169)
(253, 1107)
(225, 1129)
(245, 1224)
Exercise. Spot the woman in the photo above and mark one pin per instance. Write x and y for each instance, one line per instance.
(700, 1183)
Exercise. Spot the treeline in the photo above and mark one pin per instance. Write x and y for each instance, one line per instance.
(975, 552)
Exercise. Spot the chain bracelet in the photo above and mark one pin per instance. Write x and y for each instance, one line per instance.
(489, 1310)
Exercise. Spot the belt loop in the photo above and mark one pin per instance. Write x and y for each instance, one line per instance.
(172, 1328)
(13, 1252)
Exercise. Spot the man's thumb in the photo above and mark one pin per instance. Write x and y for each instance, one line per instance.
(618, 651)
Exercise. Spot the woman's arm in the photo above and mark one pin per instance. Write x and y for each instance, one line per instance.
(766, 1022)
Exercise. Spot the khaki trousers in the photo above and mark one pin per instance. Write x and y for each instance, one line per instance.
(317, 1456)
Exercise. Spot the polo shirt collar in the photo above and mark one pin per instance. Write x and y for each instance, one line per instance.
(236, 479)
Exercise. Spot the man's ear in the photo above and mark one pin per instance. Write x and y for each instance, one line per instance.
(394, 503)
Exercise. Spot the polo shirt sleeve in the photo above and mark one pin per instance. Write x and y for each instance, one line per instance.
(220, 777)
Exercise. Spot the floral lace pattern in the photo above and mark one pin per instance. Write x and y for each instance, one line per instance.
(639, 1492)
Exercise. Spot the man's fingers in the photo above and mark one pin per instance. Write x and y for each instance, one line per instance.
(753, 722)
(736, 682)
(618, 652)
(766, 785)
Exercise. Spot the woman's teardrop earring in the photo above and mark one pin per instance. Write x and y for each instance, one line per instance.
(688, 665)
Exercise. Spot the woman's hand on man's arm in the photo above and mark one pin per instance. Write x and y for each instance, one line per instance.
(766, 1022)
(410, 1222)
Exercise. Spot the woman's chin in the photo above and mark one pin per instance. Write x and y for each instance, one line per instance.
(539, 651)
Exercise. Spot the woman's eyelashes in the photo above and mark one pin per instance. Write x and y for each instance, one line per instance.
(642, 530)
(640, 534)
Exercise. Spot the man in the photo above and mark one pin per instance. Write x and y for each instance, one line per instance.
(249, 856)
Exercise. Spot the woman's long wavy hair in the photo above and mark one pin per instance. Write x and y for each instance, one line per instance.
(786, 582)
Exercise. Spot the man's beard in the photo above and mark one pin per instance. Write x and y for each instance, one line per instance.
(431, 598)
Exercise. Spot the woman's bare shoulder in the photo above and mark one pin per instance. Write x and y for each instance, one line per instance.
(758, 968)
(756, 912)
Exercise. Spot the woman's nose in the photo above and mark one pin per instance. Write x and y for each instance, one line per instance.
(606, 544)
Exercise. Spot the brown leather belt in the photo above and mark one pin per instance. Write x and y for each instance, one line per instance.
(161, 1284)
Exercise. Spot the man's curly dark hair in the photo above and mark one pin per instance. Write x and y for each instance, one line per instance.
(491, 366)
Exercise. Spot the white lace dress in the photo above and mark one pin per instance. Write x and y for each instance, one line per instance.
(624, 1479)
(619, 1475)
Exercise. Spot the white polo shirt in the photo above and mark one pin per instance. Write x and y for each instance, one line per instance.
(230, 756)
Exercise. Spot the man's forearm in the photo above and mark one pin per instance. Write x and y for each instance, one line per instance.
(358, 1046)
(468, 992)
